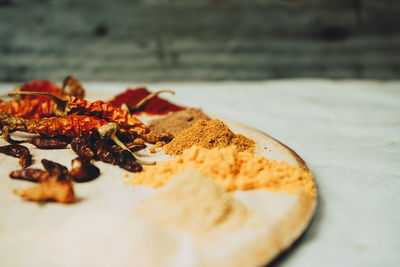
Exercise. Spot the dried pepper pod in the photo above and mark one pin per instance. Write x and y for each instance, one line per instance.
(109, 131)
(81, 145)
(54, 184)
(29, 108)
(18, 151)
(75, 87)
(70, 125)
(46, 142)
(55, 169)
(98, 109)
(83, 170)
(33, 102)
(127, 161)
(28, 174)
(103, 151)
(25, 160)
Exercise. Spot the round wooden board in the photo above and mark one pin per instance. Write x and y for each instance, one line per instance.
(101, 230)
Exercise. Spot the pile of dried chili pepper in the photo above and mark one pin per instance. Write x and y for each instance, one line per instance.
(104, 131)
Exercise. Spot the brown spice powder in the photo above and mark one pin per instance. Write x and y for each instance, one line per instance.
(175, 122)
(208, 134)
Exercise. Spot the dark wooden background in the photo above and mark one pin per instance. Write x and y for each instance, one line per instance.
(152, 40)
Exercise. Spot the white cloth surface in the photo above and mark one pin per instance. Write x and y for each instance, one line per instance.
(347, 131)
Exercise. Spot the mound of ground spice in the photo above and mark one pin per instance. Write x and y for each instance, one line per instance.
(231, 169)
(175, 122)
(155, 105)
(206, 206)
(208, 134)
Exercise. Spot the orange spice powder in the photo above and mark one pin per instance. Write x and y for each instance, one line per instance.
(231, 169)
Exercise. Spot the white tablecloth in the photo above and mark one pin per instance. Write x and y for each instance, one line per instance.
(349, 134)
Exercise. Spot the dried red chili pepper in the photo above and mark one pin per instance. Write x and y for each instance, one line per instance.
(155, 105)
(14, 150)
(127, 161)
(98, 109)
(81, 145)
(29, 108)
(70, 125)
(18, 151)
(32, 175)
(83, 170)
(103, 151)
(75, 87)
(25, 160)
(55, 169)
(33, 102)
(46, 142)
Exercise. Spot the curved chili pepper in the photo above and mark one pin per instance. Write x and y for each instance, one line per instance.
(29, 108)
(75, 87)
(99, 109)
(36, 106)
(69, 125)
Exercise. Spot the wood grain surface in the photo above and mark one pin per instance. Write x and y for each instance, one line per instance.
(198, 39)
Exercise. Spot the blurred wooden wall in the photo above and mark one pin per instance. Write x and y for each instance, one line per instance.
(152, 40)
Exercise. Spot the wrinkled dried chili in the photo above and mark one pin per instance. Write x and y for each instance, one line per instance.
(18, 151)
(103, 151)
(28, 108)
(46, 142)
(155, 105)
(32, 175)
(70, 125)
(36, 106)
(55, 169)
(75, 87)
(83, 170)
(98, 109)
(81, 145)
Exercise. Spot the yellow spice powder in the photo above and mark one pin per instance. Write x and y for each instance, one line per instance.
(231, 169)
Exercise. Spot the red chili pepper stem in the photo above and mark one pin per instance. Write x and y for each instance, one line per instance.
(109, 131)
(15, 90)
(143, 102)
